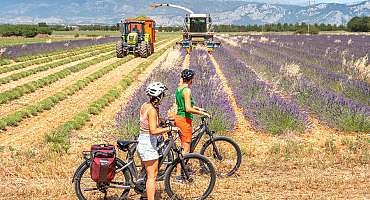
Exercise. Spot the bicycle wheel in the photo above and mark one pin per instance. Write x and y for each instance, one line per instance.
(198, 185)
(224, 153)
(87, 189)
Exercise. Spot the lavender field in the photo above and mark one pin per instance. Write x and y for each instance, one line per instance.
(288, 80)
(298, 107)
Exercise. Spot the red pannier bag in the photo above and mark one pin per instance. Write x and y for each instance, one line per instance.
(103, 157)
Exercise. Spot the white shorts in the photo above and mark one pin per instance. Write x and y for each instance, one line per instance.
(147, 147)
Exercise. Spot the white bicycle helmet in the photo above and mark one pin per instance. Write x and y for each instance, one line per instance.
(155, 89)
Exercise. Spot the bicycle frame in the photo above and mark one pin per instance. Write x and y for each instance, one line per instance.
(198, 134)
(171, 145)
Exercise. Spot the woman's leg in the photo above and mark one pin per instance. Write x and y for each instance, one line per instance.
(151, 167)
(185, 126)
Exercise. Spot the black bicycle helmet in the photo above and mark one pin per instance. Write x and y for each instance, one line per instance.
(187, 74)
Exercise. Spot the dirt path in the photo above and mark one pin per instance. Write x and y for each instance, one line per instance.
(104, 124)
(45, 73)
(243, 131)
(33, 129)
(186, 63)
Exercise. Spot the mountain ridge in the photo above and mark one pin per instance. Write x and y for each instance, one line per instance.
(223, 12)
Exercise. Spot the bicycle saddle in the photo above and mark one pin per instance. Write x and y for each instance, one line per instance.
(125, 144)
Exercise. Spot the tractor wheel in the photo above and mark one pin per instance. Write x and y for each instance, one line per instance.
(149, 49)
(143, 50)
(119, 49)
(152, 48)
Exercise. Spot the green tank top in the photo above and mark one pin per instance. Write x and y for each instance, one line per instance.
(181, 104)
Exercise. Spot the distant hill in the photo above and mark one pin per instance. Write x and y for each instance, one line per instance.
(223, 12)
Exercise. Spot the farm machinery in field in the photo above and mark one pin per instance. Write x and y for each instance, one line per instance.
(197, 29)
(137, 37)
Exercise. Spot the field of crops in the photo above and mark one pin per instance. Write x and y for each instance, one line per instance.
(6, 41)
(298, 106)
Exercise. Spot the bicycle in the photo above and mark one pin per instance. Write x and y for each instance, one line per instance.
(218, 148)
(126, 170)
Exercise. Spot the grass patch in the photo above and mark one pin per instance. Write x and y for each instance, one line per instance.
(330, 145)
(276, 121)
(130, 128)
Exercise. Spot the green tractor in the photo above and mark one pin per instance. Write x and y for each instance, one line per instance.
(138, 37)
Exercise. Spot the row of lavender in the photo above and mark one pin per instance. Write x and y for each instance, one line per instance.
(332, 108)
(127, 119)
(339, 54)
(37, 48)
(264, 108)
(355, 46)
(209, 93)
(357, 90)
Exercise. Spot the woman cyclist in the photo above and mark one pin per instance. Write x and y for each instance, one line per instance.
(185, 110)
(149, 131)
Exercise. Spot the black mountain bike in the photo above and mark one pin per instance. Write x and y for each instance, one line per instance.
(223, 151)
(197, 171)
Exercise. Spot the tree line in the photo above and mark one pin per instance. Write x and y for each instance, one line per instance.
(279, 27)
(7, 30)
(356, 24)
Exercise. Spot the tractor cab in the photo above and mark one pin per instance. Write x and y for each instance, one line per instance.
(128, 26)
(198, 30)
(138, 37)
(198, 23)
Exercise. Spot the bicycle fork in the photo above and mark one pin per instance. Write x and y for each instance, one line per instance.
(185, 168)
(216, 152)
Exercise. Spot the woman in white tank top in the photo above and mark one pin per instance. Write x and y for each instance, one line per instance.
(149, 131)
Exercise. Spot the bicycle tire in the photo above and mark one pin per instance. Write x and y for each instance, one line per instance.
(201, 159)
(233, 143)
(85, 167)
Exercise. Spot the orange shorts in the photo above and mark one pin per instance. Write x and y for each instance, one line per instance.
(186, 128)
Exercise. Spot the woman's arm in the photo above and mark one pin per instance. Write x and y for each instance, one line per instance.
(153, 126)
(188, 108)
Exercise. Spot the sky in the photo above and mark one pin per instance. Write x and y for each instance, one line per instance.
(305, 2)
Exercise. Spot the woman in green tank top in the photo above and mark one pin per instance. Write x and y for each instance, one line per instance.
(185, 111)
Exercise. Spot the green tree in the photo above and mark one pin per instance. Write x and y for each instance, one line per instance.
(359, 24)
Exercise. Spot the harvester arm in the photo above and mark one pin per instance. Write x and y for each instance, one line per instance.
(156, 5)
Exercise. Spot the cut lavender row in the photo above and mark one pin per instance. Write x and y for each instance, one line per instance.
(127, 119)
(209, 93)
(265, 109)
